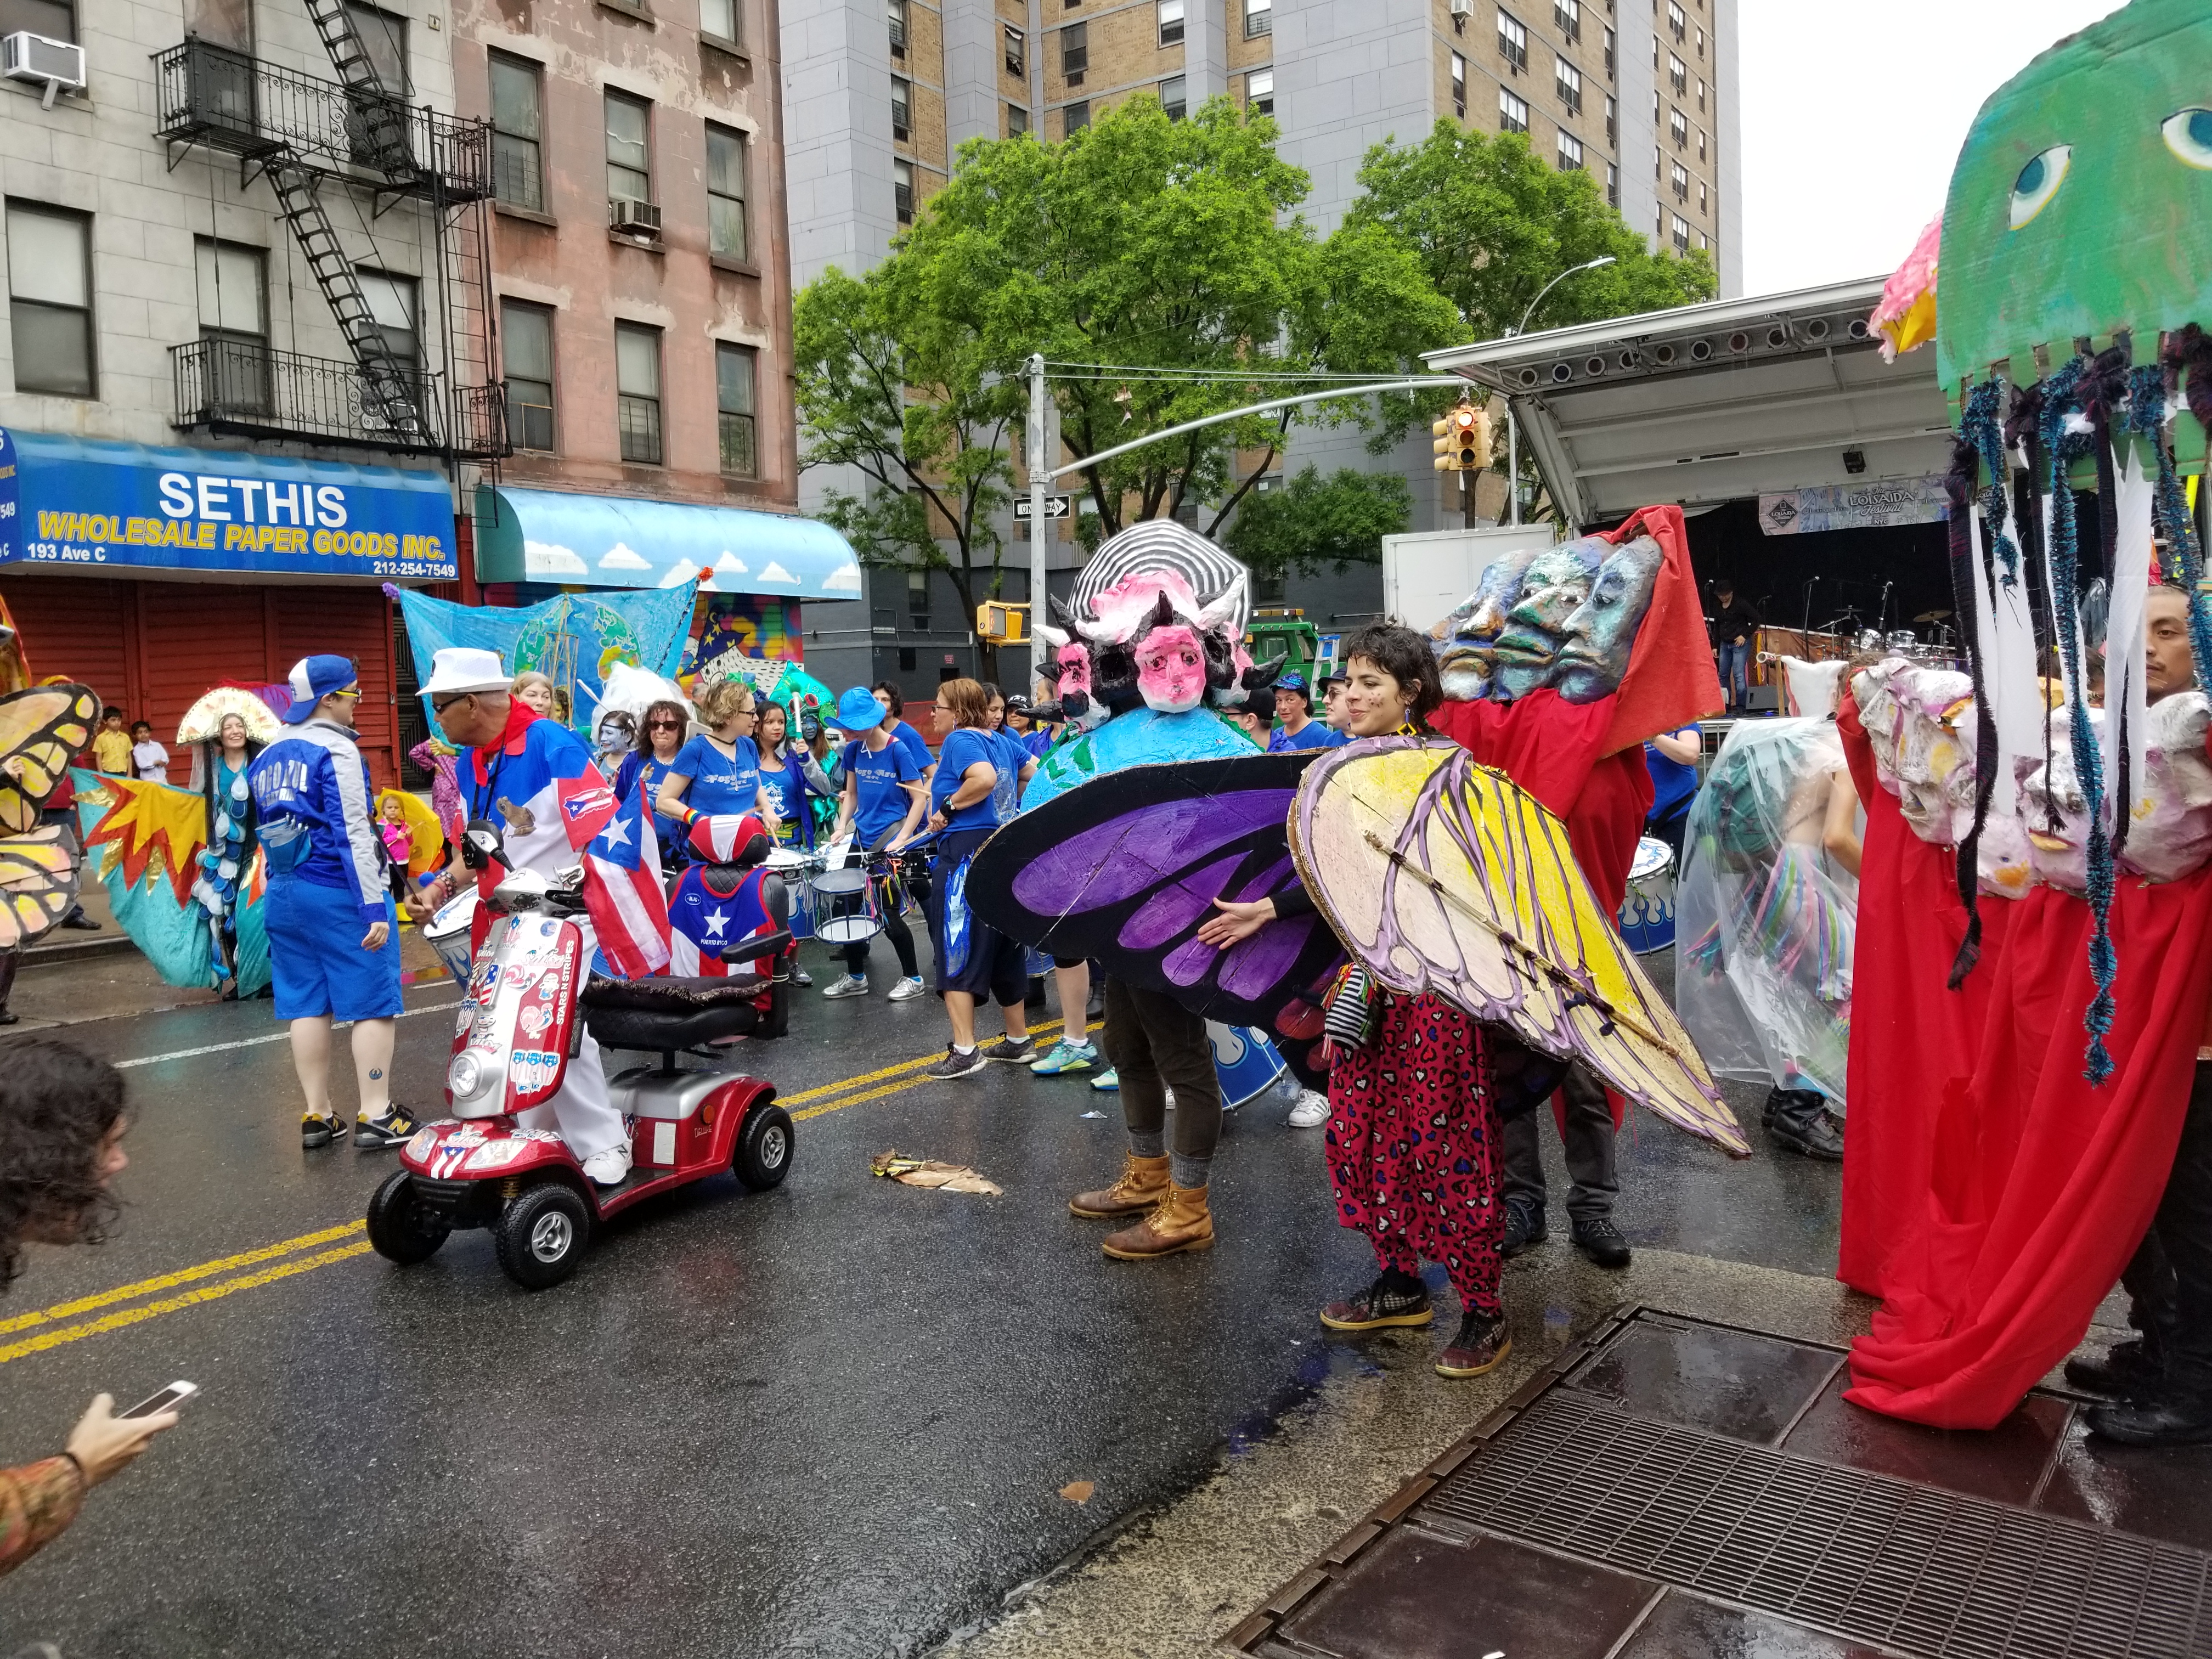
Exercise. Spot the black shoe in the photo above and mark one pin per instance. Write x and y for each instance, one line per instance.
(1800, 1121)
(7, 1018)
(1600, 1241)
(396, 1125)
(2175, 1420)
(1017, 1053)
(78, 919)
(316, 1131)
(1524, 1226)
(1035, 998)
(955, 1064)
(2125, 1368)
(1378, 1305)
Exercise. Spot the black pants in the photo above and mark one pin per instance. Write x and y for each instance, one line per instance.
(2170, 1277)
(891, 896)
(1670, 830)
(1588, 1139)
(1155, 1043)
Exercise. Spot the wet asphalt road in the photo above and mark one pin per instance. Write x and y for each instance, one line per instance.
(830, 1419)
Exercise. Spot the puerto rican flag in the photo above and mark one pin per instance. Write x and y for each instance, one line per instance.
(621, 872)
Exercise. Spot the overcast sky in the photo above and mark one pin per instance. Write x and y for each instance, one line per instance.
(1853, 115)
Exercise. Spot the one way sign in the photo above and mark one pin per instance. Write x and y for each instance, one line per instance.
(1055, 507)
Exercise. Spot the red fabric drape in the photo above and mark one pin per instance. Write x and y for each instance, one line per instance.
(2039, 1187)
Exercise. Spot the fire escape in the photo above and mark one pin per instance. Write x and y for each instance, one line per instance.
(301, 133)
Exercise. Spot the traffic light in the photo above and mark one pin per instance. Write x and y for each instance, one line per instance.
(1463, 439)
(1002, 624)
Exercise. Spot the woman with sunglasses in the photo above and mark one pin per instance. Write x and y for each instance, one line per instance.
(660, 733)
(718, 773)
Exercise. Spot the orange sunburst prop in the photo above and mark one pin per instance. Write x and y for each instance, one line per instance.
(147, 825)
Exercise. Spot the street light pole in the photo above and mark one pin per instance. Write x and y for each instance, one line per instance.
(1512, 424)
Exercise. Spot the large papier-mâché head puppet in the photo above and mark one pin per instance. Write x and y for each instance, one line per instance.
(2075, 277)
(1563, 616)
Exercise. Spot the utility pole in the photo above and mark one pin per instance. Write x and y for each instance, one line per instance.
(1039, 462)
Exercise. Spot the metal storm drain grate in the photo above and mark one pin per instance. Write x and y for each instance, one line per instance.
(1872, 1558)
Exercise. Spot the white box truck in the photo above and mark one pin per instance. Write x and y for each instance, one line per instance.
(1426, 574)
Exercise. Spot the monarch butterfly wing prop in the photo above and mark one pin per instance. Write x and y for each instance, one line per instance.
(39, 730)
(38, 882)
(1442, 875)
(1124, 868)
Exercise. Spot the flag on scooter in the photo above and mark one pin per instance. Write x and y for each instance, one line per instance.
(621, 873)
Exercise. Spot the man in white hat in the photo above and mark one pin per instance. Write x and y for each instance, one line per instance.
(509, 774)
(329, 915)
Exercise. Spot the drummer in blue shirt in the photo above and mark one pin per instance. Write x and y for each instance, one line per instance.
(1672, 759)
(1294, 708)
(718, 773)
(881, 803)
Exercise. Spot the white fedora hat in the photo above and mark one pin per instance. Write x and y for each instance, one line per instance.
(462, 668)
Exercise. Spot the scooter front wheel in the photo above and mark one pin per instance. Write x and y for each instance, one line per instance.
(401, 1227)
(764, 1148)
(541, 1236)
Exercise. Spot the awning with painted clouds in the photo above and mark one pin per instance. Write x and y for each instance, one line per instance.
(613, 541)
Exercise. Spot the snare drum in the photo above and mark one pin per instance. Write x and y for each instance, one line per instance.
(447, 932)
(845, 907)
(1904, 640)
(795, 865)
(1647, 914)
(1244, 1060)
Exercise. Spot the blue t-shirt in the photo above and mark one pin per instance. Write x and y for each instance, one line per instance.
(1012, 755)
(1672, 783)
(786, 792)
(1315, 734)
(963, 748)
(647, 770)
(911, 740)
(720, 784)
(879, 805)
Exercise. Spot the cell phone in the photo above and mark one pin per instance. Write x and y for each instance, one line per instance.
(168, 1399)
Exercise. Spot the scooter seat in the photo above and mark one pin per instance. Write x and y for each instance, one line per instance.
(662, 1015)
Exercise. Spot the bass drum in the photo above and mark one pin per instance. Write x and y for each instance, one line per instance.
(1647, 914)
(447, 932)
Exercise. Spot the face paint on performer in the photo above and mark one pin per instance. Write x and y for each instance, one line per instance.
(1601, 633)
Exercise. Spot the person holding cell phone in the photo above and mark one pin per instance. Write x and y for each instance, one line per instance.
(61, 1145)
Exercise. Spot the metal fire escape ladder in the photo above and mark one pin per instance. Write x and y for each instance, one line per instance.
(389, 392)
(382, 115)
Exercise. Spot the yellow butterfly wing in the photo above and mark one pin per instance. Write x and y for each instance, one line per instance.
(1441, 875)
(41, 730)
(38, 884)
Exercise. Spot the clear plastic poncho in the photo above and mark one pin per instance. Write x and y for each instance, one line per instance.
(1764, 917)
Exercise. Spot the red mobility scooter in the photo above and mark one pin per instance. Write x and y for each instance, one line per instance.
(517, 1030)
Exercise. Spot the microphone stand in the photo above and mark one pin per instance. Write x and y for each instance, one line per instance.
(1808, 628)
(1886, 586)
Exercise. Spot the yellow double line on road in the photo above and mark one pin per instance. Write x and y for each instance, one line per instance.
(52, 1326)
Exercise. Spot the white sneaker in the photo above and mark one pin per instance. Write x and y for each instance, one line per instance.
(908, 989)
(607, 1168)
(848, 985)
(799, 976)
(1311, 1111)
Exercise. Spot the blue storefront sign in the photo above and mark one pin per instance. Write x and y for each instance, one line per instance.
(84, 503)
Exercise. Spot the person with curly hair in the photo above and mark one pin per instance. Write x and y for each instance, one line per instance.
(61, 1144)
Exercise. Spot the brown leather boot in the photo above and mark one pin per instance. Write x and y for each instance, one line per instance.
(1182, 1223)
(1144, 1183)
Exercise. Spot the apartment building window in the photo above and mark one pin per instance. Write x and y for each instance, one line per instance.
(901, 109)
(1017, 120)
(1701, 143)
(1459, 86)
(234, 295)
(718, 21)
(1569, 152)
(1074, 52)
(1612, 185)
(1075, 117)
(629, 148)
(1173, 101)
(1678, 75)
(1512, 113)
(728, 173)
(395, 303)
(734, 366)
(637, 392)
(1701, 196)
(902, 190)
(1611, 122)
(1658, 163)
(1512, 41)
(384, 38)
(1569, 81)
(525, 347)
(1016, 54)
(895, 16)
(1703, 244)
(1612, 56)
(917, 598)
(1568, 15)
(1171, 23)
(55, 19)
(1681, 234)
(1701, 42)
(1678, 24)
(1259, 18)
(1259, 92)
(1681, 182)
(50, 290)
(1678, 124)
(517, 125)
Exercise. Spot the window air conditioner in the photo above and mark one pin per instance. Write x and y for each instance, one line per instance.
(634, 218)
(1463, 8)
(27, 56)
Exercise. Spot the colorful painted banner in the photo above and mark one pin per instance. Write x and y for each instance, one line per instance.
(1852, 507)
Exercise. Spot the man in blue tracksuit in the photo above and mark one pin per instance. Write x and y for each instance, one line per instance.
(330, 947)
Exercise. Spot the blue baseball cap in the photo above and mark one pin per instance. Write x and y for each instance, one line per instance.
(859, 711)
(314, 678)
(1290, 680)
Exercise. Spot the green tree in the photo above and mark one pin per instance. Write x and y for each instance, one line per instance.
(1314, 522)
